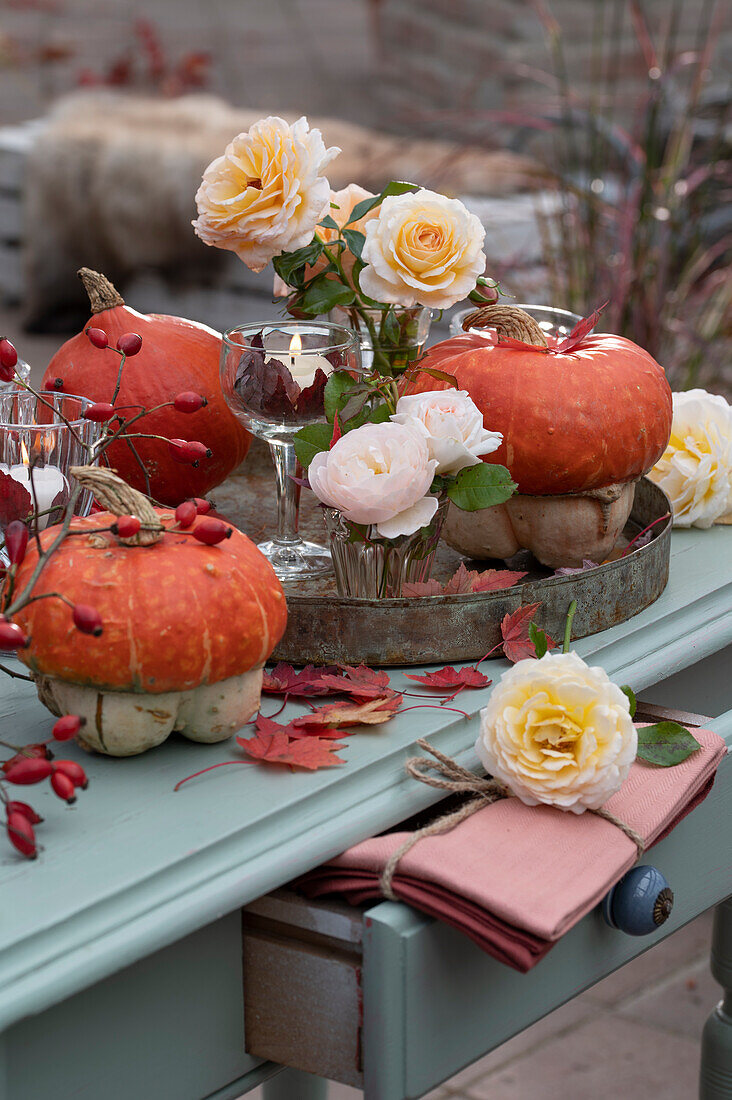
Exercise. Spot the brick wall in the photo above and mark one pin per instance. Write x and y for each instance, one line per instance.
(467, 67)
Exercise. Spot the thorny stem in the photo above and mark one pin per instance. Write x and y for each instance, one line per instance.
(122, 358)
(51, 595)
(15, 675)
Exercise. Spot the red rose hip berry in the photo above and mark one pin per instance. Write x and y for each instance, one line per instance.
(98, 337)
(129, 343)
(211, 531)
(87, 619)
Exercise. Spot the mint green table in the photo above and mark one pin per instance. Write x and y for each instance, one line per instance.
(121, 947)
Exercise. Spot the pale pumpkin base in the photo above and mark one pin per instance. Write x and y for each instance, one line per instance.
(559, 530)
(122, 723)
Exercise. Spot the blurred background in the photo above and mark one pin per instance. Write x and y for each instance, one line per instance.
(591, 136)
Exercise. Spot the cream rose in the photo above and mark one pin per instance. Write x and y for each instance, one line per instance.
(452, 425)
(558, 732)
(423, 249)
(695, 470)
(341, 207)
(377, 474)
(267, 193)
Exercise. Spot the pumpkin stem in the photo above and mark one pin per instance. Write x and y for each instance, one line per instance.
(102, 295)
(122, 500)
(507, 321)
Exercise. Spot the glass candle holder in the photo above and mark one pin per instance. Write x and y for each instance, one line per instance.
(552, 321)
(41, 438)
(273, 376)
(391, 337)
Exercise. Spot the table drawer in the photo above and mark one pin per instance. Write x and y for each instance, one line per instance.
(396, 1002)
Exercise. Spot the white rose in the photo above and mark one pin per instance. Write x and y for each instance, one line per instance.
(267, 193)
(558, 732)
(695, 470)
(377, 474)
(452, 424)
(423, 249)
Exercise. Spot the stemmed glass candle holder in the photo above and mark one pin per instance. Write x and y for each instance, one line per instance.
(553, 322)
(40, 440)
(273, 376)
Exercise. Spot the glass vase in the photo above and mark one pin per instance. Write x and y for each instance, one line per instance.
(370, 567)
(391, 337)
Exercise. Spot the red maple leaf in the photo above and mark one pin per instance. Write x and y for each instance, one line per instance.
(371, 713)
(278, 748)
(464, 582)
(360, 683)
(515, 631)
(450, 677)
(15, 500)
(262, 724)
(582, 329)
(285, 680)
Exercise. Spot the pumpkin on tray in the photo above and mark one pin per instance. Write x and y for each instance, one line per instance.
(176, 356)
(186, 627)
(580, 423)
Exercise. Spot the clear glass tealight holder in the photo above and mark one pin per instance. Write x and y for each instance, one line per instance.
(273, 377)
(41, 438)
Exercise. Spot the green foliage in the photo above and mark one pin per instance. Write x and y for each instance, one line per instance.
(481, 486)
(539, 639)
(323, 293)
(626, 690)
(396, 187)
(665, 744)
(310, 440)
(290, 266)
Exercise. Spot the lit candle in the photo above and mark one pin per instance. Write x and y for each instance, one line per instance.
(48, 482)
(304, 365)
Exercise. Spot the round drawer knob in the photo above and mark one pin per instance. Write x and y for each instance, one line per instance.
(639, 903)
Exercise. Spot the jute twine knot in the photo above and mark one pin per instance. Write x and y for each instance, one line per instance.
(459, 780)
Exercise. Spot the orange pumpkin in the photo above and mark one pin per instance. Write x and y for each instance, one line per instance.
(186, 630)
(176, 356)
(573, 421)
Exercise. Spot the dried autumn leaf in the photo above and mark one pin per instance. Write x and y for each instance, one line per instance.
(305, 752)
(582, 329)
(262, 724)
(465, 582)
(360, 683)
(370, 713)
(285, 680)
(515, 632)
(450, 677)
(15, 500)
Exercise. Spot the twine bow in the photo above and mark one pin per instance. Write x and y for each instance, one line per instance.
(459, 780)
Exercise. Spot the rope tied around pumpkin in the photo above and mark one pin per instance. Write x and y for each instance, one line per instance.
(458, 780)
(121, 499)
(508, 321)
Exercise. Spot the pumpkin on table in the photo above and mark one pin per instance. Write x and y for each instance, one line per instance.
(579, 427)
(177, 356)
(187, 627)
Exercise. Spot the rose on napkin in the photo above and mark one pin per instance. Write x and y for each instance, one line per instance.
(452, 425)
(267, 193)
(558, 732)
(695, 470)
(423, 249)
(378, 474)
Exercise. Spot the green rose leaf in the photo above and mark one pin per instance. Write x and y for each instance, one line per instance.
(665, 744)
(322, 294)
(438, 375)
(538, 637)
(310, 440)
(481, 486)
(379, 415)
(330, 223)
(390, 330)
(290, 266)
(396, 187)
(337, 391)
(627, 690)
(355, 241)
(354, 405)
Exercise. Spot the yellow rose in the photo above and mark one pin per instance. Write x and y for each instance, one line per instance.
(695, 470)
(558, 732)
(266, 194)
(423, 249)
(343, 202)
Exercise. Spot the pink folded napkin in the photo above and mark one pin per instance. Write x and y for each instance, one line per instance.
(515, 878)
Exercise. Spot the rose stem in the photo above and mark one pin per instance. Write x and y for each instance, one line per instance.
(568, 626)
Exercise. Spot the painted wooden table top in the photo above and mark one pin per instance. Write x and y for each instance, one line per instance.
(134, 866)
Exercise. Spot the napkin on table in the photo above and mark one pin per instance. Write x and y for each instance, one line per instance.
(515, 878)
